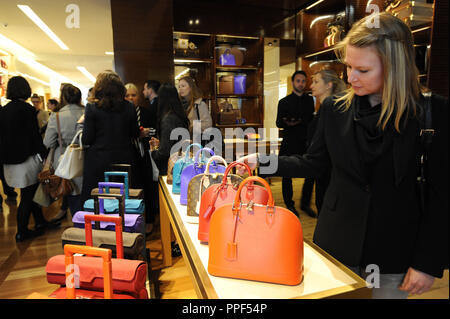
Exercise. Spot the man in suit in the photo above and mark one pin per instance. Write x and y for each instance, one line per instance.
(295, 112)
(150, 92)
(41, 114)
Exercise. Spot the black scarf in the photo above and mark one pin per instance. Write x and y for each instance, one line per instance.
(372, 140)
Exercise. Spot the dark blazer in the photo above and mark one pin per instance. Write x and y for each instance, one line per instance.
(108, 135)
(294, 107)
(161, 156)
(19, 133)
(374, 217)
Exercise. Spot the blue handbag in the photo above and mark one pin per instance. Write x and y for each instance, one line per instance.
(179, 166)
(196, 168)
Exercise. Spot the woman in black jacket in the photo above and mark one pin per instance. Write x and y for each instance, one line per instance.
(171, 116)
(22, 152)
(110, 124)
(371, 218)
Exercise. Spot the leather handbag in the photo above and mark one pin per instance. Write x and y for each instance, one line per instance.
(172, 160)
(256, 242)
(199, 184)
(198, 167)
(179, 166)
(220, 194)
(52, 185)
(71, 162)
(103, 235)
(127, 276)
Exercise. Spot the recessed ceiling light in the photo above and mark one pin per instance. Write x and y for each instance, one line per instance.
(109, 53)
(86, 73)
(41, 24)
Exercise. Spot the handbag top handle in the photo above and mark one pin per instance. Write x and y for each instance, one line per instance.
(106, 255)
(230, 166)
(99, 208)
(237, 198)
(200, 151)
(215, 158)
(117, 220)
(186, 156)
(125, 181)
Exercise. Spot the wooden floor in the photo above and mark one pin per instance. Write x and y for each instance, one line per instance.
(22, 265)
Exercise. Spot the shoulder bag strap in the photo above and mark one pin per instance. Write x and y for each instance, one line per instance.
(196, 110)
(59, 130)
(426, 137)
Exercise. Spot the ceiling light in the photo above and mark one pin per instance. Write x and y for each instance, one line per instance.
(3, 52)
(41, 24)
(86, 73)
(109, 53)
(33, 78)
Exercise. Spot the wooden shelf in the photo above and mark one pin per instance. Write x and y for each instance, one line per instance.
(241, 96)
(329, 50)
(185, 60)
(236, 68)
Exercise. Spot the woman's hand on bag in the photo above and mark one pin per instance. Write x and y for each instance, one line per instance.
(416, 282)
(154, 144)
(251, 160)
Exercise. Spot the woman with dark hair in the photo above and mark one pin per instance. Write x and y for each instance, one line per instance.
(171, 115)
(22, 153)
(69, 112)
(110, 124)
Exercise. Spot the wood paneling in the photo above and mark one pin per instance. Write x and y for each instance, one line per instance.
(439, 70)
(143, 45)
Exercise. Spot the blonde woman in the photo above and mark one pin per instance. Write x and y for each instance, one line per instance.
(196, 108)
(371, 218)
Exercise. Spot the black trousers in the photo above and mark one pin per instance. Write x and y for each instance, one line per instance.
(27, 207)
(287, 191)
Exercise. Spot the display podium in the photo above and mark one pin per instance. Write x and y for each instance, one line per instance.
(324, 276)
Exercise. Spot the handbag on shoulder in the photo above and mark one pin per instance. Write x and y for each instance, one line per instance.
(256, 242)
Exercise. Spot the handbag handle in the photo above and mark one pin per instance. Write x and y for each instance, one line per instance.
(107, 185)
(186, 156)
(125, 181)
(214, 158)
(251, 179)
(69, 260)
(211, 207)
(98, 205)
(77, 134)
(230, 166)
(211, 152)
(117, 220)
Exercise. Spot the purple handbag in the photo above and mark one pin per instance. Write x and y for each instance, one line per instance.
(198, 167)
(239, 83)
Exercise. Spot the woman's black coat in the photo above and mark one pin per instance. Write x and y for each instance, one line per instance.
(19, 133)
(109, 136)
(374, 217)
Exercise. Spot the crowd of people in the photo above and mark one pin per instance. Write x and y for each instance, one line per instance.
(358, 145)
(114, 130)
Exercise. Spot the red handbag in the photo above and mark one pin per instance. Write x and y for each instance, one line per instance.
(256, 242)
(219, 194)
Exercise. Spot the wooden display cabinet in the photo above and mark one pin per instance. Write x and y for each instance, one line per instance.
(313, 54)
(205, 63)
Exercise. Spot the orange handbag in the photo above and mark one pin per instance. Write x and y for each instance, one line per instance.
(256, 242)
(219, 194)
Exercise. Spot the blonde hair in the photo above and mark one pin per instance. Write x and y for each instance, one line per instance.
(196, 93)
(393, 42)
(330, 76)
(131, 86)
